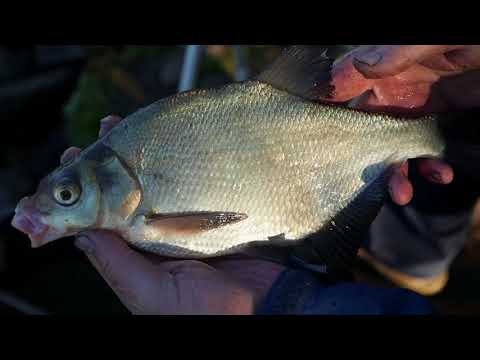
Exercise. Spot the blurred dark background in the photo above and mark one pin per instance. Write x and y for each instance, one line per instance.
(53, 97)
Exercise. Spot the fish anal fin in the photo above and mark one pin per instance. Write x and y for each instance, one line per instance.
(193, 222)
(333, 249)
(276, 249)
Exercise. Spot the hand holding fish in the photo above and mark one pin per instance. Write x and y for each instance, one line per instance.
(257, 167)
(409, 79)
(149, 284)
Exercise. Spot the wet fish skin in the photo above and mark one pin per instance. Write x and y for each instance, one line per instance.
(288, 163)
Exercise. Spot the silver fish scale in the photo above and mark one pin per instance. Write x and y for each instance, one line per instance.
(288, 163)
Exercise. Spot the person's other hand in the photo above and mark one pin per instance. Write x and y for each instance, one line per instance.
(150, 284)
(408, 80)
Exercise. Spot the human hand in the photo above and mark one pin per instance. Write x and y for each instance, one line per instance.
(412, 80)
(150, 284)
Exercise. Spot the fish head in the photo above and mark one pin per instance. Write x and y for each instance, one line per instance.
(66, 202)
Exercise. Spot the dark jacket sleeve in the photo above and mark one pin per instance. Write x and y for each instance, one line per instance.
(300, 292)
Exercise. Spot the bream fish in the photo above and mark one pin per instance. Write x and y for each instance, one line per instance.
(213, 172)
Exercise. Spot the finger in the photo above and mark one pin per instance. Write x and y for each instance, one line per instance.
(465, 58)
(401, 190)
(435, 170)
(69, 154)
(346, 82)
(389, 96)
(388, 60)
(107, 123)
(127, 272)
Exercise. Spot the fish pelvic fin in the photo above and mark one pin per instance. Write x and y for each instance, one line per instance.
(331, 251)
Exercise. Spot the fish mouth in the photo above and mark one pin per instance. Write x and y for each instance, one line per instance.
(31, 222)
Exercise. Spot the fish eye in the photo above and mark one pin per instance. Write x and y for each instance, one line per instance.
(66, 193)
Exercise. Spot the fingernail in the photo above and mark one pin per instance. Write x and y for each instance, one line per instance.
(85, 244)
(370, 58)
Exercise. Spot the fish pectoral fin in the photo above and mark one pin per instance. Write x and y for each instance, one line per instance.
(300, 69)
(333, 249)
(193, 222)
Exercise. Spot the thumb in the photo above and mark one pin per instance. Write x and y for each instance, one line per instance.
(126, 271)
(377, 62)
(108, 123)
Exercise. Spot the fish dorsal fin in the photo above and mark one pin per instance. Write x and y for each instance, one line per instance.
(332, 250)
(302, 69)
